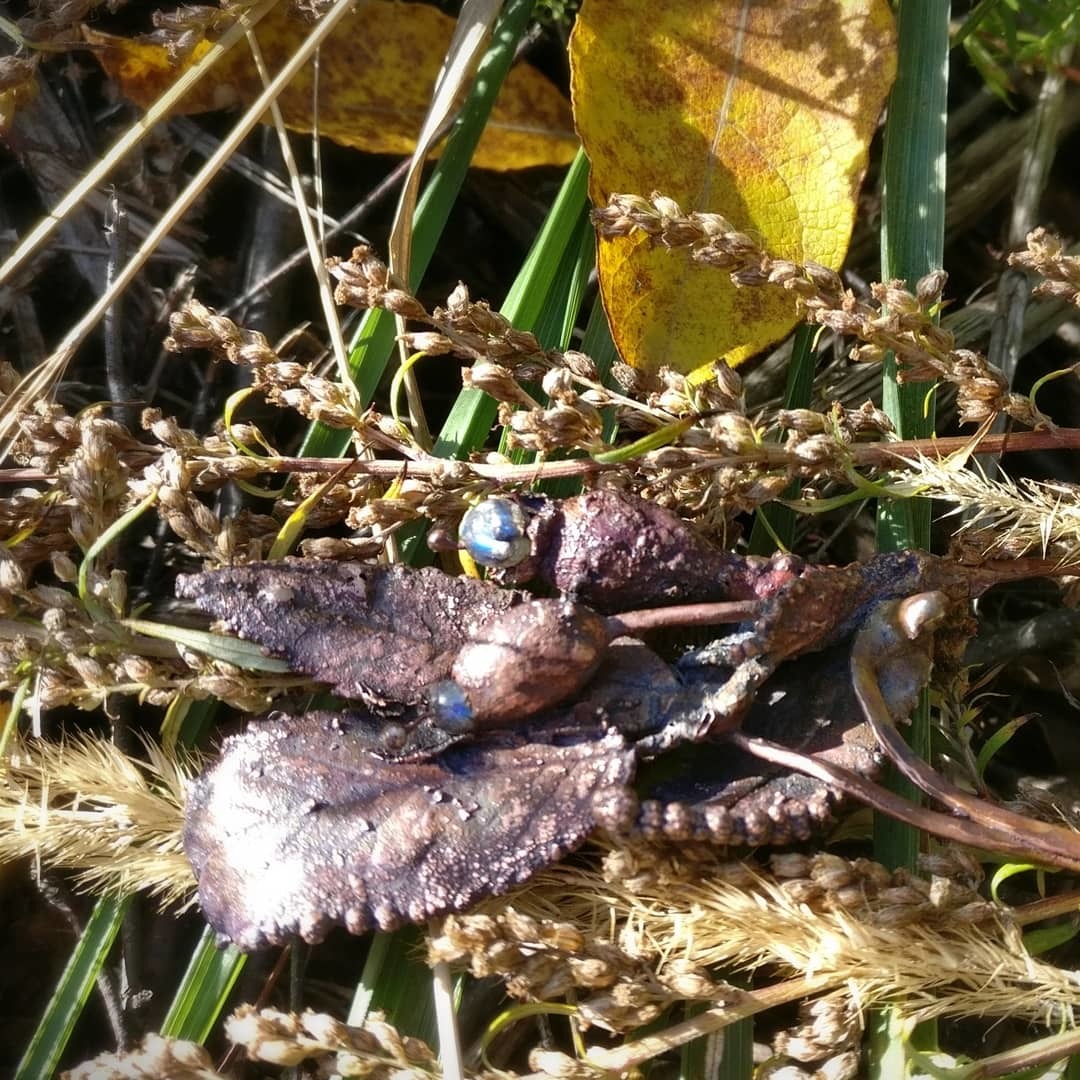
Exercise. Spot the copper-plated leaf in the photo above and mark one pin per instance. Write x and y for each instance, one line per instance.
(376, 633)
(345, 818)
(726, 795)
(615, 551)
(298, 827)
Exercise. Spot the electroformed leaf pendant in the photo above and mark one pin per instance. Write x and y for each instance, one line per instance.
(433, 796)
(306, 822)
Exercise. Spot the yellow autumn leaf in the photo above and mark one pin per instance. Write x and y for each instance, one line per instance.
(760, 110)
(375, 80)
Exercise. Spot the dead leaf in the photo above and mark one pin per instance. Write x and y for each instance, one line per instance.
(376, 79)
(762, 112)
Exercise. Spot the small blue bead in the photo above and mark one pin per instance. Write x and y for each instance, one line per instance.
(451, 707)
(493, 533)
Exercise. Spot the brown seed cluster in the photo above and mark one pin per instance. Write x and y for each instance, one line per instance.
(884, 898)
(62, 636)
(611, 942)
(377, 1050)
(283, 382)
(156, 1058)
(823, 1045)
(894, 319)
(543, 959)
(1046, 257)
(820, 880)
(716, 462)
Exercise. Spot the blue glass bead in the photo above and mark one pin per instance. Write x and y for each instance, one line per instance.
(450, 704)
(493, 533)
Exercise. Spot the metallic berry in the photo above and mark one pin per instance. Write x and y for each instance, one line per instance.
(493, 533)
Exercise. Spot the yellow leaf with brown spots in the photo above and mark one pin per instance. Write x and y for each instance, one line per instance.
(759, 110)
(375, 80)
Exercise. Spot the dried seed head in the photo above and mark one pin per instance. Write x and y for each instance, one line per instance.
(558, 383)
(556, 1064)
(63, 567)
(930, 287)
(581, 365)
(867, 419)
(155, 1057)
(12, 575)
(803, 421)
(689, 981)
(824, 280)
(817, 450)
(952, 862)
(790, 864)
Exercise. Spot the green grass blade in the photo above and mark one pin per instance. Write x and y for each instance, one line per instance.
(473, 412)
(538, 287)
(598, 344)
(373, 343)
(525, 302)
(913, 221)
(243, 654)
(776, 522)
(578, 280)
(72, 991)
(396, 981)
(912, 244)
(554, 326)
(203, 991)
(555, 321)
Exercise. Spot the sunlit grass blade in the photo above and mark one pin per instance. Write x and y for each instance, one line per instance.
(774, 525)
(912, 244)
(554, 326)
(598, 344)
(913, 221)
(373, 343)
(554, 323)
(525, 301)
(203, 990)
(228, 650)
(396, 982)
(577, 282)
(72, 991)
(473, 412)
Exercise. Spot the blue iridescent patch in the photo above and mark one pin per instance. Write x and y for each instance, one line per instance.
(493, 533)
(451, 706)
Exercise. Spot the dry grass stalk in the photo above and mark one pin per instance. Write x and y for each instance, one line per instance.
(85, 805)
(932, 947)
(894, 319)
(1006, 518)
